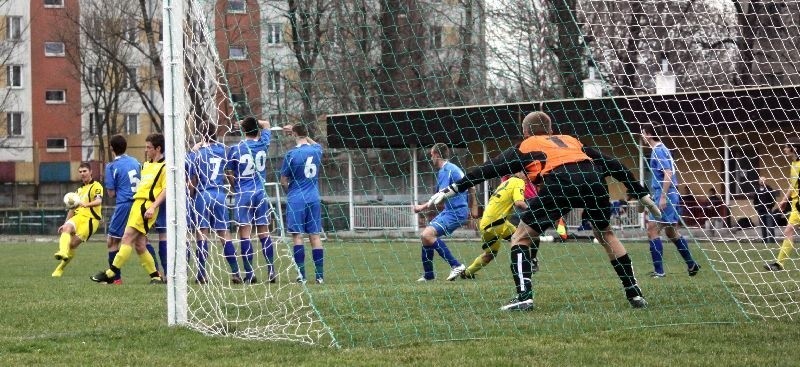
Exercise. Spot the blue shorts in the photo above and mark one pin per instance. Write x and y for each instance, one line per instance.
(161, 219)
(669, 214)
(211, 211)
(251, 208)
(449, 220)
(119, 220)
(304, 217)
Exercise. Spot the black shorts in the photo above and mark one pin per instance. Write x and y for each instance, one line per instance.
(570, 186)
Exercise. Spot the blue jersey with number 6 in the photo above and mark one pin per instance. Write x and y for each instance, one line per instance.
(248, 161)
(301, 166)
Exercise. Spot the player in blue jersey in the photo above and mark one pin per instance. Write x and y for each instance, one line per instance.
(300, 178)
(208, 178)
(247, 165)
(664, 186)
(121, 178)
(455, 214)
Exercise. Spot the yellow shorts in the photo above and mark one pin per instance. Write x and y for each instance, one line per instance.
(136, 219)
(85, 227)
(494, 231)
(794, 215)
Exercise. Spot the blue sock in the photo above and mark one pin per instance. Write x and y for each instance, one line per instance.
(300, 259)
(162, 255)
(656, 251)
(683, 249)
(202, 255)
(269, 253)
(444, 252)
(247, 255)
(316, 254)
(111, 255)
(230, 256)
(427, 262)
(152, 252)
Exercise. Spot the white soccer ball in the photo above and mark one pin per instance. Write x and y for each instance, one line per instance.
(72, 199)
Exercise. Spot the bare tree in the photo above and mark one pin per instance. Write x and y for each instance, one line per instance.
(9, 56)
(102, 62)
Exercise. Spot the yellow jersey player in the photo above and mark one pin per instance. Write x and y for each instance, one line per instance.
(494, 224)
(150, 194)
(792, 198)
(82, 221)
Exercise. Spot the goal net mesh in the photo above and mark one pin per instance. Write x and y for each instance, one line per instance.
(378, 82)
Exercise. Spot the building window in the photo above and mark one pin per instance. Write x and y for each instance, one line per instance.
(129, 78)
(238, 53)
(14, 28)
(237, 6)
(94, 76)
(53, 3)
(743, 163)
(55, 96)
(131, 123)
(54, 48)
(14, 123)
(14, 76)
(95, 123)
(56, 144)
(274, 33)
(435, 36)
(274, 81)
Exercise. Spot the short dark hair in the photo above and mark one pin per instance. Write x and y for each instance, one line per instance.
(157, 140)
(300, 130)
(653, 131)
(442, 150)
(249, 126)
(118, 144)
(85, 165)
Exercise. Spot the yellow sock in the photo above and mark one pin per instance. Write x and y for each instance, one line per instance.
(63, 242)
(119, 260)
(148, 263)
(786, 250)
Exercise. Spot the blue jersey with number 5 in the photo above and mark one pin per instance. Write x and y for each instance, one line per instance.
(248, 161)
(122, 176)
(301, 166)
(210, 162)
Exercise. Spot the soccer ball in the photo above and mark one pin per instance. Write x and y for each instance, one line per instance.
(72, 199)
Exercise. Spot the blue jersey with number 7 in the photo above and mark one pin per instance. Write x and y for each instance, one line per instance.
(301, 166)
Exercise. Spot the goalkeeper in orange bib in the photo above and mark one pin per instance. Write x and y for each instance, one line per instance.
(569, 175)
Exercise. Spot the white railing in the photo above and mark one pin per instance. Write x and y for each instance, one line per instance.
(631, 218)
(384, 217)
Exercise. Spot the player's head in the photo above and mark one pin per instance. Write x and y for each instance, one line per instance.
(300, 130)
(207, 130)
(440, 152)
(652, 133)
(85, 171)
(536, 123)
(118, 144)
(249, 126)
(792, 148)
(154, 146)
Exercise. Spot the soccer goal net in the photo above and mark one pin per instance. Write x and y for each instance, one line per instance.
(378, 83)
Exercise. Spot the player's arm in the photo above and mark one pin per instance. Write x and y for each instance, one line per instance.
(518, 195)
(614, 168)
(264, 124)
(98, 197)
(472, 200)
(110, 183)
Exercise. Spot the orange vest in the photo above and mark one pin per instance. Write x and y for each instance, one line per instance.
(557, 150)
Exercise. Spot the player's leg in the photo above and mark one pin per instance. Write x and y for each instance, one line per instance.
(261, 220)
(161, 229)
(134, 237)
(243, 214)
(671, 217)
(428, 238)
(62, 255)
(201, 208)
(490, 237)
(295, 224)
(654, 228)
(622, 265)
(219, 220)
(116, 228)
(314, 227)
(446, 223)
(789, 233)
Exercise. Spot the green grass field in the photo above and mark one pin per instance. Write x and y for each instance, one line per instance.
(381, 316)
